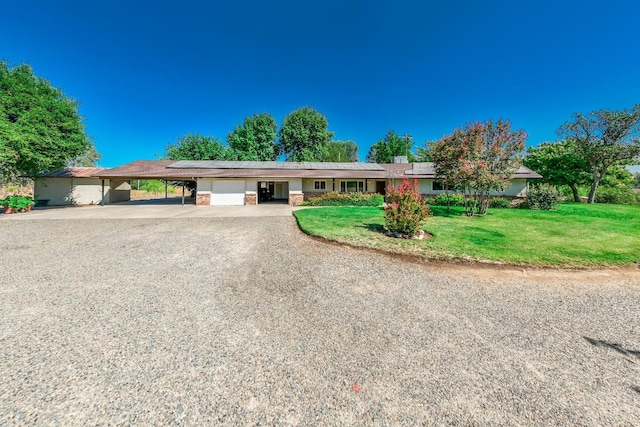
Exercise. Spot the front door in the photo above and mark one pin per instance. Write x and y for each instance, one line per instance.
(380, 187)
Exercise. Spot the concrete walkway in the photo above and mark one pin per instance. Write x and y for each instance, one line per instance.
(150, 210)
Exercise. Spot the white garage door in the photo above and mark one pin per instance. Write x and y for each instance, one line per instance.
(227, 193)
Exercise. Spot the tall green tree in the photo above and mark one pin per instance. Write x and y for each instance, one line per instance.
(392, 145)
(604, 138)
(88, 159)
(477, 159)
(40, 128)
(560, 164)
(255, 139)
(196, 147)
(342, 151)
(304, 136)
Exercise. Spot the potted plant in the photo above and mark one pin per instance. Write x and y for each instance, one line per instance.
(16, 203)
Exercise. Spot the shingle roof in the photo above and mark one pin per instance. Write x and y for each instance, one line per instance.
(214, 164)
(427, 170)
(189, 170)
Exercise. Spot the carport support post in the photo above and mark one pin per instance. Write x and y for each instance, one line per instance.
(102, 198)
(166, 189)
(183, 184)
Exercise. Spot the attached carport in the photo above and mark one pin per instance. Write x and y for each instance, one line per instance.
(144, 170)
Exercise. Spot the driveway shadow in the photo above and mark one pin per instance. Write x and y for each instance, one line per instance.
(613, 346)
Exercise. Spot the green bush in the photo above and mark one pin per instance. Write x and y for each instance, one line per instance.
(406, 210)
(448, 200)
(617, 195)
(333, 198)
(18, 203)
(155, 186)
(499, 203)
(543, 197)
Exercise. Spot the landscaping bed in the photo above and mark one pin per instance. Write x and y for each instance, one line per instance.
(573, 235)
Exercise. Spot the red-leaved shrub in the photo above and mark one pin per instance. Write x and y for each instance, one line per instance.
(406, 211)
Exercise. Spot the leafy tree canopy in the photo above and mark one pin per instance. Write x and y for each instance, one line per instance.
(255, 139)
(88, 159)
(618, 176)
(560, 164)
(341, 151)
(40, 128)
(392, 145)
(304, 136)
(604, 138)
(196, 147)
(477, 159)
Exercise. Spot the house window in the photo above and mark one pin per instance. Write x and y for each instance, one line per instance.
(319, 185)
(351, 186)
(439, 186)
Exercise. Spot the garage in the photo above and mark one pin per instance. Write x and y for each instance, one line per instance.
(227, 193)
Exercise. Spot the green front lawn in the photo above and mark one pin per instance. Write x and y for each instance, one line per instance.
(575, 234)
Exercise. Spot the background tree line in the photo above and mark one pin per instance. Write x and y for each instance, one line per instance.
(303, 137)
(41, 129)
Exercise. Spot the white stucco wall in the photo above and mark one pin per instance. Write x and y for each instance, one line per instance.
(251, 185)
(118, 191)
(71, 191)
(88, 191)
(426, 186)
(295, 184)
(204, 184)
(56, 190)
(517, 188)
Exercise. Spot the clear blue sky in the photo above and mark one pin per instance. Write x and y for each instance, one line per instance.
(147, 72)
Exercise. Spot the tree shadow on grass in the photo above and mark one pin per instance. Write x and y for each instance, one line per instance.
(376, 228)
(442, 211)
(482, 236)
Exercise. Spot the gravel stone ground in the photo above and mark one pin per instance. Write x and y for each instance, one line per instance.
(207, 321)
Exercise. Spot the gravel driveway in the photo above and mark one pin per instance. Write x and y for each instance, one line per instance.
(200, 321)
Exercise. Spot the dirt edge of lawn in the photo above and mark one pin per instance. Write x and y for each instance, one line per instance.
(469, 264)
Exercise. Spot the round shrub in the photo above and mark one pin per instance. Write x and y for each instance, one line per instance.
(333, 198)
(448, 200)
(616, 195)
(543, 197)
(499, 203)
(406, 210)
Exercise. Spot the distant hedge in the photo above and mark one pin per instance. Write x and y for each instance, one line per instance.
(334, 198)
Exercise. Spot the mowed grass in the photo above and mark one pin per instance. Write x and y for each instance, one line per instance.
(573, 235)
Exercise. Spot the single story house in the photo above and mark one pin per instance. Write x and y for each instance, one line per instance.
(242, 182)
(79, 186)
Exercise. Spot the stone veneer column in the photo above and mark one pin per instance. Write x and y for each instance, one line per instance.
(203, 198)
(295, 198)
(250, 198)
